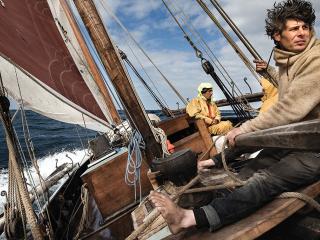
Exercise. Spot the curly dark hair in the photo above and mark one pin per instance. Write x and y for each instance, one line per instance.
(290, 9)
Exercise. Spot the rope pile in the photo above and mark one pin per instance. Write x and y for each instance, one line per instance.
(161, 138)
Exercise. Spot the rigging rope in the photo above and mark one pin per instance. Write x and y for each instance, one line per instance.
(208, 68)
(146, 73)
(236, 31)
(240, 53)
(207, 50)
(107, 9)
(27, 137)
(32, 156)
(236, 106)
(134, 161)
(164, 108)
(23, 192)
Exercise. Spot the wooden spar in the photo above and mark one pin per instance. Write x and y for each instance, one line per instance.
(254, 97)
(236, 30)
(232, 43)
(92, 66)
(118, 75)
(302, 135)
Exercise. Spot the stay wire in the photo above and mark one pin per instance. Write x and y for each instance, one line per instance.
(239, 52)
(96, 56)
(107, 9)
(233, 102)
(30, 151)
(242, 38)
(162, 105)
(209, 52)
(148, 76)
(206, 48)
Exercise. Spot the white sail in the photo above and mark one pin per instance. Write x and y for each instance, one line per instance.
(67, 33)
(40, 98)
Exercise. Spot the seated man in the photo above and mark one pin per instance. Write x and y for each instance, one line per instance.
(297, 54)
(203, 107)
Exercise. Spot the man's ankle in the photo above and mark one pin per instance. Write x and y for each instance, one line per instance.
(188, 219)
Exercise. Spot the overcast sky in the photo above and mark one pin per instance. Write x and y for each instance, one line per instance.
(157, 33)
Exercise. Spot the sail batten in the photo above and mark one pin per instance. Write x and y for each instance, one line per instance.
(54, 81)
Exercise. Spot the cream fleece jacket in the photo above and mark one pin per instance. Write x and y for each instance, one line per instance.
(299, 89)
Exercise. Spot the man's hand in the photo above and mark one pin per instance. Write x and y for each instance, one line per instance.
(261, 65)
(214, 122)
(204, 164)
(231, 135)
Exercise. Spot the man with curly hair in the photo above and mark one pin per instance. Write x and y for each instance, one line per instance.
(297, 56)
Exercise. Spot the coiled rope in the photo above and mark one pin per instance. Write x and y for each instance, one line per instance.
(134, 161)
(161, 138)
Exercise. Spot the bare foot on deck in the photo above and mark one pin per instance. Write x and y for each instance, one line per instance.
(176, 217)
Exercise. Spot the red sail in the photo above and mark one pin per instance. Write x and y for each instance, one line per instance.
(30, 39)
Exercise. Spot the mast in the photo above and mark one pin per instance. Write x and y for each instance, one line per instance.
(93, 67)
(118, 76)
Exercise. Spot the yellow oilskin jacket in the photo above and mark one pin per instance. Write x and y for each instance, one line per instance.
(200, 108)
(270, 96)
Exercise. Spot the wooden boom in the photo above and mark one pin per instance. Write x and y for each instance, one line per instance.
(302, 136)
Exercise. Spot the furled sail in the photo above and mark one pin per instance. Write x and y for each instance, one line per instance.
(42, 64)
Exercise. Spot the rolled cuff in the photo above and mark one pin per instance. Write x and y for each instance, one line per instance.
(201, 218)
(212, 217)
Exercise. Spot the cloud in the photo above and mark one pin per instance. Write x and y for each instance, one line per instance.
(161, 38)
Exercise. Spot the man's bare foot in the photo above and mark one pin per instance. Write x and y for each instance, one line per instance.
(176, 217)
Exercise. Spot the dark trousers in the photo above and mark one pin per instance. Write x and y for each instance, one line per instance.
(275, 171)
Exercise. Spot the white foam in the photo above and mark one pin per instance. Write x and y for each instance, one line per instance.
(47, 165)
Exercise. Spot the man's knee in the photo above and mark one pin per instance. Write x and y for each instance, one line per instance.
(297, 169)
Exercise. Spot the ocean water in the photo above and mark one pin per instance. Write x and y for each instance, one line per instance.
(48, 136)
(54, 143)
